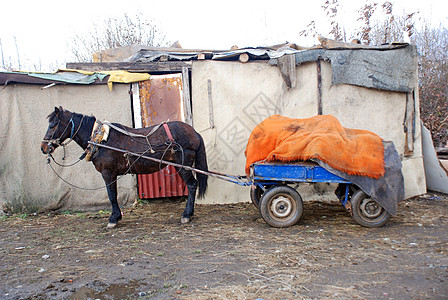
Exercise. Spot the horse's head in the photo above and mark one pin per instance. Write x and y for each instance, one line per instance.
(60, 128)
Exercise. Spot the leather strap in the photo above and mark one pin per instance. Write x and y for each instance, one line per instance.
(168, 132)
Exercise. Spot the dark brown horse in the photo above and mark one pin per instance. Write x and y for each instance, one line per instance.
(185, 147)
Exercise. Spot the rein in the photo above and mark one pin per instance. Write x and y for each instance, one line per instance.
(81, 158)
(71, 184)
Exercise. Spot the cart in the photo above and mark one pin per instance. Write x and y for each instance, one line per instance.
(274, 192)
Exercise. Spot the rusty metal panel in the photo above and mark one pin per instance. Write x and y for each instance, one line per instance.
(160, 185)
(161, 100)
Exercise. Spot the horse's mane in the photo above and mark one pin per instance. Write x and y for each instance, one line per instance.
(51, 116)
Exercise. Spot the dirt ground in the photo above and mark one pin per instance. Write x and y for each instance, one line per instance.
(227, 252)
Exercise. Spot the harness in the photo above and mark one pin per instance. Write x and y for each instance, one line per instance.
(168, 132)
(101, 131)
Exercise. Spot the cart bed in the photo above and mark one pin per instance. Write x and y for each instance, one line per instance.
(297, 172)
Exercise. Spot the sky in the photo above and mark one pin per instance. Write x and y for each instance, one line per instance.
(37, 33)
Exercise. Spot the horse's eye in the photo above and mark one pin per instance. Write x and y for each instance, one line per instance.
(52, 125)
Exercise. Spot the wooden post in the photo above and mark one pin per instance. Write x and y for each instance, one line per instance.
(408, 124)
(319, 87)
(186, 96)
(210, 104)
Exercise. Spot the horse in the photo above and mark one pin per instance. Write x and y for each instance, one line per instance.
(178, 143)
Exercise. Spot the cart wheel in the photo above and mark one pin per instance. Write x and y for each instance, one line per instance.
(367, 212)
(255, 195)
(281, 206)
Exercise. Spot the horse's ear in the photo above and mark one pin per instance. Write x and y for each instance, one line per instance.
(58, 110)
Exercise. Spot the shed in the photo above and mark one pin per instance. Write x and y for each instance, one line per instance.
(229, 92)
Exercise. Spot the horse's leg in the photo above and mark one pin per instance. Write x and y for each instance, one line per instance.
(192, 184)
(111, 183)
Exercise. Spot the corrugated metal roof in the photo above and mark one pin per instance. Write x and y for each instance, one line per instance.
(153, 54)
(257, 53)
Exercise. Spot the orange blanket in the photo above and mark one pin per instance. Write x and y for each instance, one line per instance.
(354, 151)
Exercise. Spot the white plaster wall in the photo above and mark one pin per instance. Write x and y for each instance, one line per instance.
(242, 95)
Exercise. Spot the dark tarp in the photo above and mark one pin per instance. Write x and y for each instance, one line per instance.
(392, 69)
(388, 190)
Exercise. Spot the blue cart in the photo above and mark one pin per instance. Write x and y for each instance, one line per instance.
(274, 192)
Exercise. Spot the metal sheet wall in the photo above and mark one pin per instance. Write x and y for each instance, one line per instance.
(165, 183)
(161, 100)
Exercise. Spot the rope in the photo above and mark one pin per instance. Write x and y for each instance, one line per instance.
(163, 155)
(71, 184)
(234, 179)
(124, 131)
(132, 135)
(126, 154)
(154, 129)
(83, 188)
(69, 165)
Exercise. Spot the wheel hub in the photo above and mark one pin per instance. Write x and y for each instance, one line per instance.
(370, 208)
(281, 207)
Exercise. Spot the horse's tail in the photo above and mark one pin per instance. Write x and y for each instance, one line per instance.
(201, 164)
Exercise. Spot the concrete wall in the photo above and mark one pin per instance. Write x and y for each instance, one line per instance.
(26, 180)
(234, 97)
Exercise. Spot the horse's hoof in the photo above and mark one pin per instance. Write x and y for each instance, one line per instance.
(111, 225)
(184, 220)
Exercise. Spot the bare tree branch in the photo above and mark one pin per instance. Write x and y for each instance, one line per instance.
(117, 32)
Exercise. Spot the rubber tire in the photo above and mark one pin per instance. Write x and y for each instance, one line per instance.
(286, 197)
(363, 219)
(255, 195)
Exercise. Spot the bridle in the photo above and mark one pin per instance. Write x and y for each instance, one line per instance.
(57, 141)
